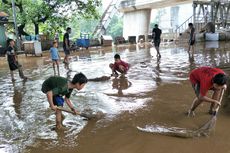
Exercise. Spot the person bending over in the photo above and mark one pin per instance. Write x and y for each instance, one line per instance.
(118, 66)
(204, 79)
(56, 87)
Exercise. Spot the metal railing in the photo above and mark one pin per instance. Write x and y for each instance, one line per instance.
(184, 25)
(199, 22)
(105, 20)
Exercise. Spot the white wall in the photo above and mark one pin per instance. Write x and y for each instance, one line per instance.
(185, 11)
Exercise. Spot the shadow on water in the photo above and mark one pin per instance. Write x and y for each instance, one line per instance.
(17, 98)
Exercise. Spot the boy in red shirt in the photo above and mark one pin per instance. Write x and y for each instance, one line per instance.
(119, 66)
(204, 79)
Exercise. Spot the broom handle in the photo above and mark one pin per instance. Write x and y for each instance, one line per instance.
(220, 99)
(72, 112)
(67, 110)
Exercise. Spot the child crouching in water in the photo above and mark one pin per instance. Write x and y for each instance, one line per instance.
(55, 56)
(119, 66)
(56, 87)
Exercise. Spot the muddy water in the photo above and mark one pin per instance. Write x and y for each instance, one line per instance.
(155, 92)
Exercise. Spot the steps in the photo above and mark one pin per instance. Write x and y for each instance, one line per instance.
(100, 29)
(199, 24)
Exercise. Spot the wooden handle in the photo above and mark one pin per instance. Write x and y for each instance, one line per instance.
(221, 96)
(88, 116)
(220, 99)
(66, 110)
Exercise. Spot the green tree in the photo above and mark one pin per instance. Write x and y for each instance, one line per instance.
(115, 27)
(88, 25)
(55, 13)
(82, 25)
(152, 24)
(159, 15)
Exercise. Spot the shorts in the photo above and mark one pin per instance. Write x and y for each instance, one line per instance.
(55, 60)
(157, 42)
(191, 42)
(66, 51)
(196, 88)
(58, 100)
(13, 66)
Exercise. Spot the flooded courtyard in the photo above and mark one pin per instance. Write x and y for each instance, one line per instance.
(154, 92)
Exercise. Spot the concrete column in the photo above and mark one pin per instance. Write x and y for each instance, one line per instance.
(136, 23)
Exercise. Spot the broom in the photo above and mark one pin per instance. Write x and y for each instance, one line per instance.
(207, 128)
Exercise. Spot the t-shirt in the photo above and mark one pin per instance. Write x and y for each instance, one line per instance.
(156, 33)
(204, 76)
(10, 54)
(116, 65)
(206, 12)
(54, 53)
(192, 33)
(58, 85)
(66, 37)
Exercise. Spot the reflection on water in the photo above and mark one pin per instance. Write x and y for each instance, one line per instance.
(17, 98)
(120, 84)
(27, 122)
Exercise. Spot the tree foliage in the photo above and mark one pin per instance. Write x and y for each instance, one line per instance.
(82, 25)
(51, 13)
(115, 27)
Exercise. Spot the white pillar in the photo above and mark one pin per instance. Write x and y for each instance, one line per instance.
(136, 23)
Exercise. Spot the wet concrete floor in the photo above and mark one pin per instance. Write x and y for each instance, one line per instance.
(154, 92)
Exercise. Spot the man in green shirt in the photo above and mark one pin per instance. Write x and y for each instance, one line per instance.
(55, 87)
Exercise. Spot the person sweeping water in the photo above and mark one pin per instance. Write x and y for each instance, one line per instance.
(204, 79)
(56, 87)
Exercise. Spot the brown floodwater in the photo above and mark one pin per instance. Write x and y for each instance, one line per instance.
(154, 93)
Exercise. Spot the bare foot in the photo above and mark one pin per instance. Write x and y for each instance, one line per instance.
(115, 75)
(191, 113)
(61, 128)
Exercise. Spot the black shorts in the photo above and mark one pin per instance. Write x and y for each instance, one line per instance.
(196, 88)
(157, 42)
(191, 42)
(13, 65)
(66, 51)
